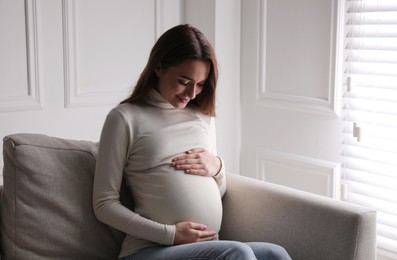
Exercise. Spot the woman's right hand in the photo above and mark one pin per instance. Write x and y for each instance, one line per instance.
(190, 232)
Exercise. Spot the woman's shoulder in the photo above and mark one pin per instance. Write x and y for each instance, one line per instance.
(125, 112)
(126, 109)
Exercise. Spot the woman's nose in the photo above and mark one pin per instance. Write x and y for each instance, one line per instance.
(192, 91)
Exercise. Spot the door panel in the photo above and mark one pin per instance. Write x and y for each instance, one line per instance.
(290, 100)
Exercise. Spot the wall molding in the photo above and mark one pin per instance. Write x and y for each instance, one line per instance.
(74, 97)
(328, 168)
(328, 106)
(159, 16)
(31, 100)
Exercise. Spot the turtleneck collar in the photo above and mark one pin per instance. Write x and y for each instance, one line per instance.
(154, 98)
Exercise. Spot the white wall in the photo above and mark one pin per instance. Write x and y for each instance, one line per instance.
(227, 46)
(65, 64)
(291, 129)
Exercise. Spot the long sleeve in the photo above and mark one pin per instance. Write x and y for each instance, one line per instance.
(220, 178)
(115, 142)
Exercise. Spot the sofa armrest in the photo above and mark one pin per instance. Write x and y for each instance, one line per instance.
(308, 226)
(1, 195)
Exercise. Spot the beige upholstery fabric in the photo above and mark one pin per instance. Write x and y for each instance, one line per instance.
(47, 201)
(308, 226)
(46, 210)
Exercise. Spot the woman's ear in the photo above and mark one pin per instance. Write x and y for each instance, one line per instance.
(157, 70)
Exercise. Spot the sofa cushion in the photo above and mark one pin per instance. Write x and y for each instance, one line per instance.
(46, 207)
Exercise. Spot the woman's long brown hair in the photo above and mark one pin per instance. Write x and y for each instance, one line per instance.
(180, 43)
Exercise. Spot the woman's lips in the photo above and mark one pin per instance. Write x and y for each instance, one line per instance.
(183, 100)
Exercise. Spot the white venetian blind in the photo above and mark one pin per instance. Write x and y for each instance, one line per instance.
(370, 153)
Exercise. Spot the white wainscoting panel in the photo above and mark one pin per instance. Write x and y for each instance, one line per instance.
(300, 172)
(296, 71)
(19, 85)
(103, 46)
(55, 55)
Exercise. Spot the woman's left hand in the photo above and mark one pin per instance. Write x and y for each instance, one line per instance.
(198, 161)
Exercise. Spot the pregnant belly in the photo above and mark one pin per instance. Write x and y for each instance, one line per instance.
(172, 196)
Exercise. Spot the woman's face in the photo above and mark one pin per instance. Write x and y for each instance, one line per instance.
(181, 83)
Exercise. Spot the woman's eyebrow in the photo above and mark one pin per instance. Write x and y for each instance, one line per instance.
(188, 78)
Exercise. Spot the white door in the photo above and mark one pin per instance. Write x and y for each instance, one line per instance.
(291, 128)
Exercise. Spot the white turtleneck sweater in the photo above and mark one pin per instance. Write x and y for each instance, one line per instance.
(139, 142)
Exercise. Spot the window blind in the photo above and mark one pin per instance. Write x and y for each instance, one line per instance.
(370, 112)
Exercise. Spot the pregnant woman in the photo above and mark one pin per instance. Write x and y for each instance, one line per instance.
(161, 140)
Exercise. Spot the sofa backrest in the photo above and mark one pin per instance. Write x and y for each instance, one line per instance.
(46, 205)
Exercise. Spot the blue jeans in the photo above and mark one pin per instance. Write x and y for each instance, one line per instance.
(219, 250)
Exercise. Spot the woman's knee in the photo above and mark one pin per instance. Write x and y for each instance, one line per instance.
(278, 253)
(269, 251)
(237, 250)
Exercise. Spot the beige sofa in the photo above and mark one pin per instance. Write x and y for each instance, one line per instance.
(46, 210)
